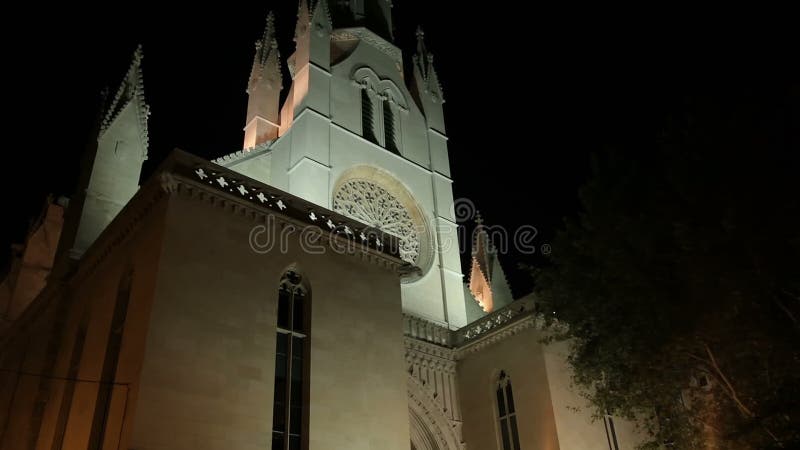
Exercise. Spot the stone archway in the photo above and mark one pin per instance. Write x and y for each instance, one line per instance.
(421, 436)
(430, 428)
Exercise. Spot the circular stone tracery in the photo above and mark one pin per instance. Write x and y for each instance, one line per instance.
(373, 205)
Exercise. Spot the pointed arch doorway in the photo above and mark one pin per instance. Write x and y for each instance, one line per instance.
(421, 436)
(430, 429)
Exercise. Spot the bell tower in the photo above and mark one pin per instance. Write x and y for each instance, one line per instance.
(375, 15)
(356, 136)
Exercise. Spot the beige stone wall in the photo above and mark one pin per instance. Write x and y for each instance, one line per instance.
(550, 412)
(24, 357)
(208, 375)
(36, 352)
(521, 357)
(576, 428)
(92, 297)
(29, 274)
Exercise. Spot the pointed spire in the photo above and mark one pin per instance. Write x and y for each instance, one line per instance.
(422, 52)
(267, 58)
(423, 60)
(480, 280)
(268, 43)
(320, 8)
(131, 90)
(303, 19)
(482, 249)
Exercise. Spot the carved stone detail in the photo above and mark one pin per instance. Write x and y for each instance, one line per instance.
(495, 320)
(375, 206)
(231, 158)
(364, 35)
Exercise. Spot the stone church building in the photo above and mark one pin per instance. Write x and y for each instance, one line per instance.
(305, 292)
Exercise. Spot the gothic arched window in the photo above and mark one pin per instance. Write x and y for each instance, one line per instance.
(110, 361)
(381, 101)
(506, 413)
(290, 410)
(390, 139)
(367, 121)
(611, 432)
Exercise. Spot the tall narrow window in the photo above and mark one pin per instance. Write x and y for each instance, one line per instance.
(69, 383)
(611, 432)
(388, 127)
(110, 361)
(367, 113)
(507, 413)
(289, 411)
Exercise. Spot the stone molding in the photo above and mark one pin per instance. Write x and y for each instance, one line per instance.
(240, 155)
(364, 35)
(518, 326)
(423, 407)
(424, 337)
(430, 355)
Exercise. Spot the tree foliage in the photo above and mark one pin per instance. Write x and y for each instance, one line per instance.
(679, 283)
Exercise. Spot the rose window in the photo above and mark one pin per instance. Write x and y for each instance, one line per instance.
(373, 205)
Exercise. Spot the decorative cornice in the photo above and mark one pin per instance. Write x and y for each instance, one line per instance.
(219, 179)
(243, 196)
(427, 339)
(240, 155)
(518, 308)
(497, 336)
(430, 355)
(179, 175)
(425, 330)
(365, 35)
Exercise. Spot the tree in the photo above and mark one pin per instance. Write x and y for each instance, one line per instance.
(678, 285)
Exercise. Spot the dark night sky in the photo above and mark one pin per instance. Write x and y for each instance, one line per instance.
(530, 94)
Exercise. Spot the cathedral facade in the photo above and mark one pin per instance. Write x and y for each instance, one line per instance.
(305, 292)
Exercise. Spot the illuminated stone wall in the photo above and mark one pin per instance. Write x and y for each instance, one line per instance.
(207, 380)
(322, 141)
(521, 357)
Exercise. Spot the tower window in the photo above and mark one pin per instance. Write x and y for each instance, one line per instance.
(507, 414)
(110, 361)
(69, 386)
(289, 410)
(388, 127)
(378, 122)
(367, 122)
(611, 432)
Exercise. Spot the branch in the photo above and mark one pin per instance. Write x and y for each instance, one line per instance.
(744, 409)
(704, 361)
(775, 438)
(787, 311)
(727, 389)
(731, 392)
(790, 295)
